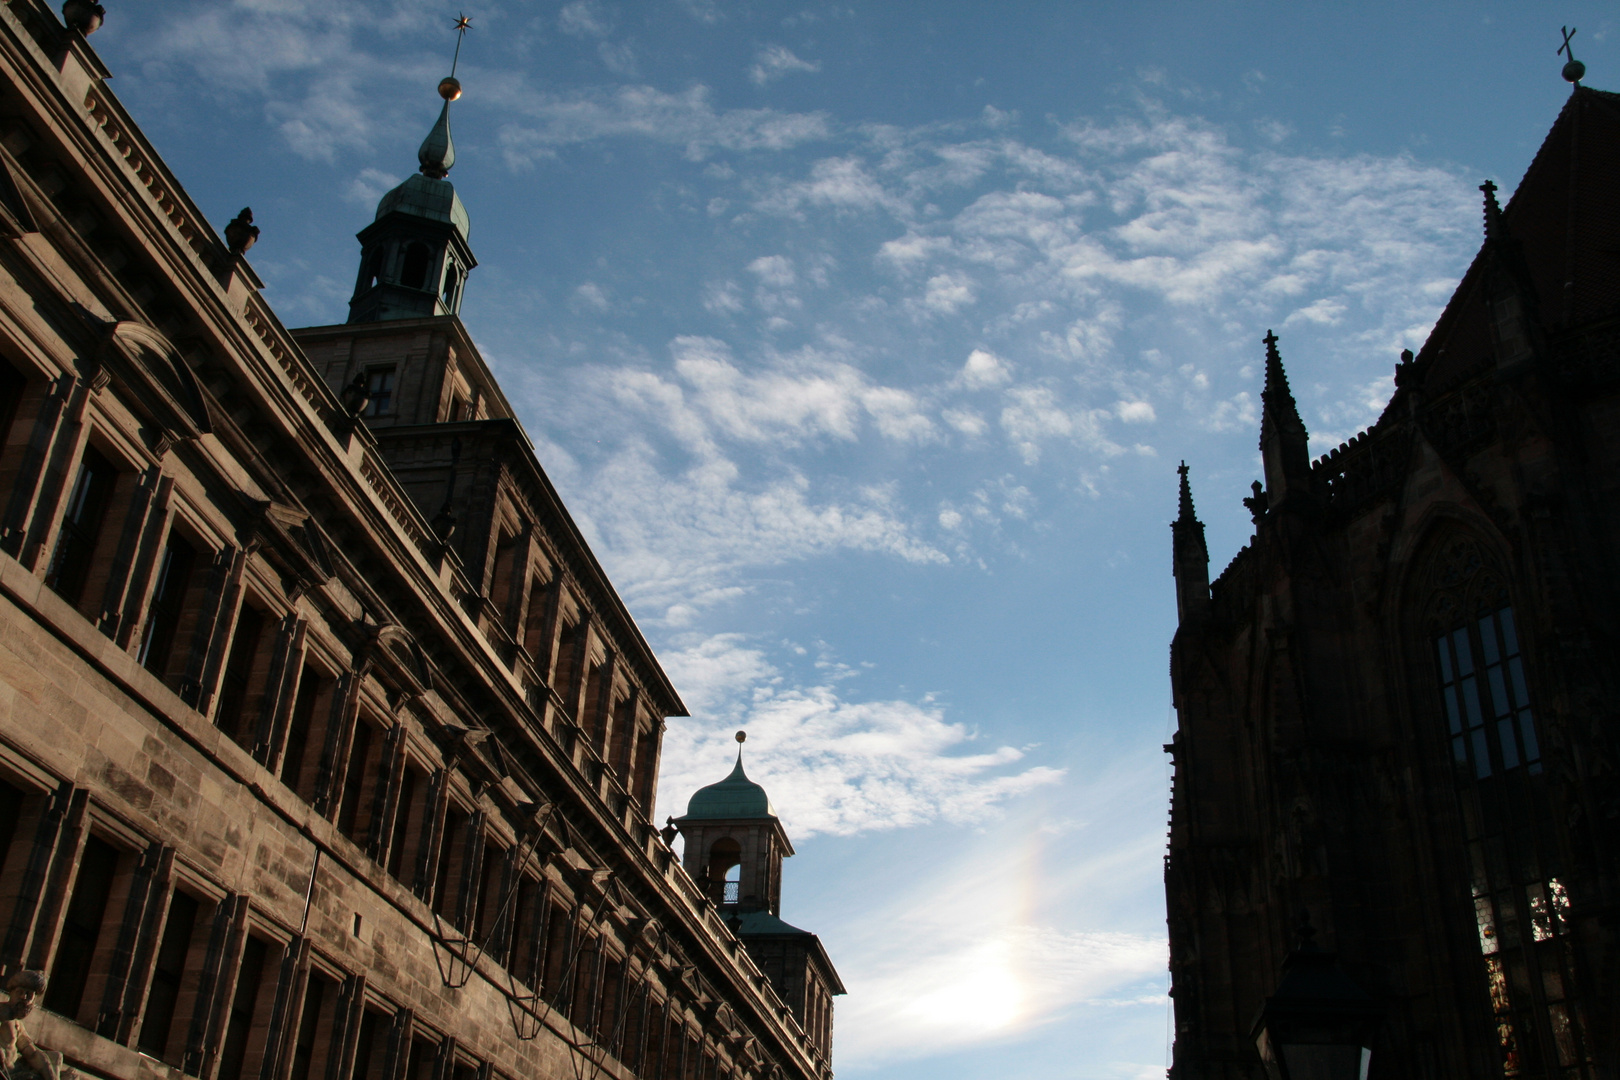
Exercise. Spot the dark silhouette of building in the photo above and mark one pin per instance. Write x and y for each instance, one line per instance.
(327, 749)
(1397, 704)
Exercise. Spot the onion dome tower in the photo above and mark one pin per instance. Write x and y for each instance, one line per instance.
(735, 845)
(414, 256)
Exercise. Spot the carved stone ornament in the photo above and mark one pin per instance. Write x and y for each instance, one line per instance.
(1461, 580)
(159, 382)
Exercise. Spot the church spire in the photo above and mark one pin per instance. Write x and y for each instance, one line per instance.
(1284, 443)
(1189, 557)
(414, 256)
(438, 153)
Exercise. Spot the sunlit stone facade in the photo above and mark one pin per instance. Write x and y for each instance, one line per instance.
(327, 749)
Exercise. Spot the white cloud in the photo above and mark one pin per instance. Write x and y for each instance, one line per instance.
(773, 62)
(984, 370)
(948, 292)
(843, 184)
(722, 298)
(369, 186)
(965, 421)
(832, 765)
(582, 18)
(687, 119)
(774, 270)
(695, 536)
(1135, 412)
(591, 297)
(795, 398)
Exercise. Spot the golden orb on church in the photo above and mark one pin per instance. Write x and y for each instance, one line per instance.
(449, 88)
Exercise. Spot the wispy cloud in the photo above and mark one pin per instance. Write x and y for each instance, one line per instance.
(584, 18)
(688, 118)
(773, 62)
(833, 765)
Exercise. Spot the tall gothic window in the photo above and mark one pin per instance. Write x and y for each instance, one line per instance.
(1520, 900)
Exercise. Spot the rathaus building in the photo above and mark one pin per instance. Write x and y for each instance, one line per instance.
(1399, 704)
(327, 749)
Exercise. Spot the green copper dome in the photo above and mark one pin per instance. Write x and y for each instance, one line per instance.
(734, 797)
(428, 198)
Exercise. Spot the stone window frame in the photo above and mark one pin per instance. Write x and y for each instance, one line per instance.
(129, 458)
(1462, 576)
(197, 982)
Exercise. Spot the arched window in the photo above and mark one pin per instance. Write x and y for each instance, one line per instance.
(1480, 674)
(725, 869)
(450, 279)
(373, 268)
(416, 266)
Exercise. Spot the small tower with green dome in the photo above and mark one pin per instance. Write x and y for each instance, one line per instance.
(414, 256)
(735, 845)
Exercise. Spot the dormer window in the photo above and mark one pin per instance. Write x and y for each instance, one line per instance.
(380, 387)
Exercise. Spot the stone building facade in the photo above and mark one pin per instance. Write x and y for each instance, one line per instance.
(327, 749)
(1397, 704)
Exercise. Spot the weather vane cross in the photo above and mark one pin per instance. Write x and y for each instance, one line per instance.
(1574, 70)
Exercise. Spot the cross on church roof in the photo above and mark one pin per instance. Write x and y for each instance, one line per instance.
(1574, 70)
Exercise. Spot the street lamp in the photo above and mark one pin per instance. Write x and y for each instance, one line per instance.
(1319, 1025)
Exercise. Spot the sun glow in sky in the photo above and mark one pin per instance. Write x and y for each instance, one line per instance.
(863, 340)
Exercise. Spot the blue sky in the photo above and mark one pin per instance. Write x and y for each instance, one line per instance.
(863, 340)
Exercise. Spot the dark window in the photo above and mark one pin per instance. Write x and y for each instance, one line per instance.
(371, 1049)
(231, 712)
(87, 908)
(81, 527)
(244, 1007)
(168, 605)
(373, 268)
(1521, 905)
(380, 387)
(489, 895)
(402, 846)
(450, 279)
(314, 1029)
(12, 386)
(1487, 704)
(11, 804)
(360, 782)
(298, 764)
(419, 1065)
(452, 850)
(167, 975)
(521, 962)
(414, 275)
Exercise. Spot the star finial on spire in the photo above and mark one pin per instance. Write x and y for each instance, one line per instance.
(1574, 70)
(1186, 513)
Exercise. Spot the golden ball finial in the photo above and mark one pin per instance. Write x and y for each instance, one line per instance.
(449, 88)
(742, 736)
